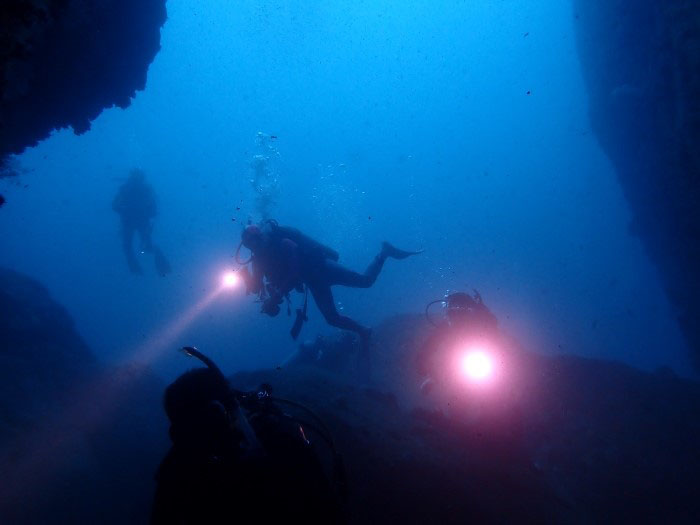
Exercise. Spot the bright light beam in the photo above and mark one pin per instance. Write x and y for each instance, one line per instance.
(230, 279)
(32, 459)
(477, 365)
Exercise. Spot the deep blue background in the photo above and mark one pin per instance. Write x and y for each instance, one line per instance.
(458, 127)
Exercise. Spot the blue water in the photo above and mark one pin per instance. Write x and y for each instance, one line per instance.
(457, 127)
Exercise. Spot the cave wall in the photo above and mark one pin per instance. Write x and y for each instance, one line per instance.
(79, 441)
(641, 65)
(63, 61)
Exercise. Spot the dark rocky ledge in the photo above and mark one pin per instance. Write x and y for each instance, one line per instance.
(79, 441)
(63, 61)
(555, 440)
(560, 439)
(641, 64)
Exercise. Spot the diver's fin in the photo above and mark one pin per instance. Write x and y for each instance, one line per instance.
(162, 265)
(389, 250)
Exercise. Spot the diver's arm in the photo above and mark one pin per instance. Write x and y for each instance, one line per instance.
(426, 352)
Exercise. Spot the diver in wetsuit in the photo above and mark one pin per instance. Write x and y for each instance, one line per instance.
(230, 464)
(284, 259)
(467, 319)
(135, 203)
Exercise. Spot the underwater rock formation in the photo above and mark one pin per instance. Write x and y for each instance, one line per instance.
(558, 439)
(561, 439)
(63, 61)
(641, 65)
(65, 456)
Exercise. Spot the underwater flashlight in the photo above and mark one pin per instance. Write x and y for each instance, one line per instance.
(230, 279)
(477, 365)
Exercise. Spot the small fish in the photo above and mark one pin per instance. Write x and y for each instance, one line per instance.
(273, 137)
(2, 200)
(528, 92)
(526, 35)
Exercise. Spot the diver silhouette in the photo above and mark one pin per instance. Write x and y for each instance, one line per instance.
(467, 319)
(284, 259)
(236, 458)
(135, 203)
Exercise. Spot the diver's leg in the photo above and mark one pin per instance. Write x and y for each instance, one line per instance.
(128, 248)
(145, 230)
(338, 274)
(324, 300)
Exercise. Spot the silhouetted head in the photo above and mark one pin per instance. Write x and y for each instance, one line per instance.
(459, 306)
(196, 404)
(252, 237)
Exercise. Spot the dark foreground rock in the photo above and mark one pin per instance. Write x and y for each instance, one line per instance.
(63, 61)
(552, 440)
(79, 442)
(641, 64)
(558, 440)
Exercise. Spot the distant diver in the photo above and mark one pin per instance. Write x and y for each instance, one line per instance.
(284, 259)
(467, 321)
(238, 457)
(135, 203)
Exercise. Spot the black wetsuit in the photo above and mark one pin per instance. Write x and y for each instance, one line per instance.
(290, 259)
(282, 483)
(322, 275)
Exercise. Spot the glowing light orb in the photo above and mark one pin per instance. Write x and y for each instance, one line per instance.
(477, 365)
(230, 279)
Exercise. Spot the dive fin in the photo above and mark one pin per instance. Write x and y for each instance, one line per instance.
(389, 250)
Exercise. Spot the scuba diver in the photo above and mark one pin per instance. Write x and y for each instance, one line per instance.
(468, 321)
(284, 259)
(236, 457)
(135, 203)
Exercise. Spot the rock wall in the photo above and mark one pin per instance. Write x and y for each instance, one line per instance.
(641, 64)
(63, 61)
(79, 442)
(554, 439)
